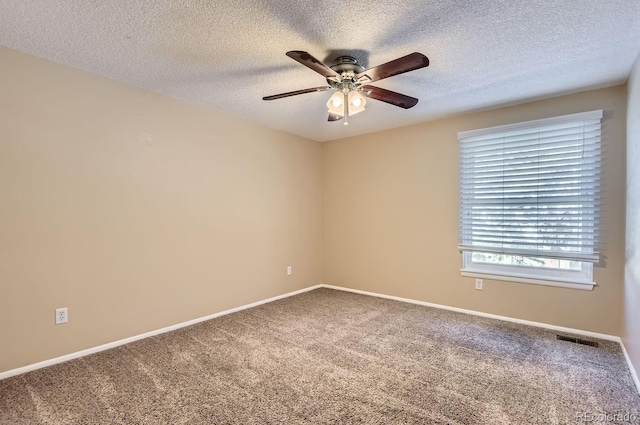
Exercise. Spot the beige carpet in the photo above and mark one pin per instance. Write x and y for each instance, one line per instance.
(332, 357)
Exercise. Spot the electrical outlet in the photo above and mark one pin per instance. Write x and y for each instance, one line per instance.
(62, 315)
(289, 271)
(479, 284)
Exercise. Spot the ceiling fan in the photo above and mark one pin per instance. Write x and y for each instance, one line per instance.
(350, 80)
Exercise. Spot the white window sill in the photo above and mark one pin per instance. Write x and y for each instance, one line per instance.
(583, 285)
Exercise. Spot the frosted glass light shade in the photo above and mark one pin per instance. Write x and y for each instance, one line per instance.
(357, 103)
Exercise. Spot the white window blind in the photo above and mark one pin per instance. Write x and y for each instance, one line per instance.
(532, 188)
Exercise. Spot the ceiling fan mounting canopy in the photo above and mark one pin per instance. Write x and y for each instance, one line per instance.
(346, 64)
(346, 75)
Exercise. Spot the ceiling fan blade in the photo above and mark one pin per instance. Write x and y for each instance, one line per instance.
(389, 96)
(310, 62)
(334, 117)
(297, 92)
(398, 66)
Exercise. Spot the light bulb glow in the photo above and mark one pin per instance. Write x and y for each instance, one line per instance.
(335, 104)
(357, 102)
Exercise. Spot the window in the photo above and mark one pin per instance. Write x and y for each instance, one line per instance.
(529, 201)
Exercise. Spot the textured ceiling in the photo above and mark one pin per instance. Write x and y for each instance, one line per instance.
(228, 55)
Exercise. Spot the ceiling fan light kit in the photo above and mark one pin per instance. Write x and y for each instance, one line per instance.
(350, 81)
(346, 104)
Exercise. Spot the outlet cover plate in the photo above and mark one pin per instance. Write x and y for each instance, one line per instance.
(62, 315)
(479, 284)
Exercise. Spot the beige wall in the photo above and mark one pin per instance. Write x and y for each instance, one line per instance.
(632, 268)
(137, 211)
(391, 218)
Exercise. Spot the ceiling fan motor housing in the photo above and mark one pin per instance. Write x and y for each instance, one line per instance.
(347, 67)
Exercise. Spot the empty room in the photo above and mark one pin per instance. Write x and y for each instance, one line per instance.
(253, 212)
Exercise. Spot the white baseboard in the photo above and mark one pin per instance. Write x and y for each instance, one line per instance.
(614, 338)
(478, 313)
(634, 374)
(71, 356)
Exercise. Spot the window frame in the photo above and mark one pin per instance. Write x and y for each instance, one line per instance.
(575, 279)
